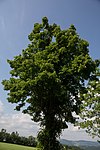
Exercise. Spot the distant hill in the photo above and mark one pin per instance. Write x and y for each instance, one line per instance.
(86, 145)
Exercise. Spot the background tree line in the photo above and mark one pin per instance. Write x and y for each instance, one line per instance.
(15, 138)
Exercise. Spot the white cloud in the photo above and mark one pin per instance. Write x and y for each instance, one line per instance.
(25, 126)
(19, 122)
(74, 133)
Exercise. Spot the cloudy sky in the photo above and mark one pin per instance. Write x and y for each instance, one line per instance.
(17, 18)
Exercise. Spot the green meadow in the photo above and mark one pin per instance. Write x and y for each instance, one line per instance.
(6, 146)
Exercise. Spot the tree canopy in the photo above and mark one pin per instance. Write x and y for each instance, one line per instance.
(49, 76)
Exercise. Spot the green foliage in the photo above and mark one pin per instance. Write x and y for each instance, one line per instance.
(49, 75)
(14, 138)
(90, 111)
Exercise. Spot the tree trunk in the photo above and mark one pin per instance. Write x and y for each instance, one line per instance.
(48, 136)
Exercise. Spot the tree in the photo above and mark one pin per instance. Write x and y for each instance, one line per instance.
(90, 112)
(32, 141)
(3, 135)
(15, 138)
(49, 75)
(24, 141)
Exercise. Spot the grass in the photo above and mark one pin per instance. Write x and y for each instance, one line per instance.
(6, 146)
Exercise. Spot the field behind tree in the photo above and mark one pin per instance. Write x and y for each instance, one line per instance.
(6, 146)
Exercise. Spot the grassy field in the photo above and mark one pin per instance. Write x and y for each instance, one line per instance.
(6, 146)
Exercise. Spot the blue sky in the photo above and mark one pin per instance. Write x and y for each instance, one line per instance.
(17, 18)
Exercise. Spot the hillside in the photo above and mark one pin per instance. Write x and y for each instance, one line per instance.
(86, 145)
